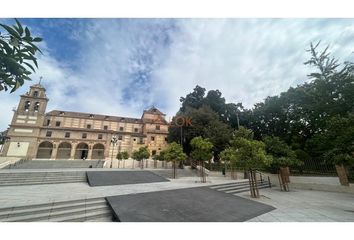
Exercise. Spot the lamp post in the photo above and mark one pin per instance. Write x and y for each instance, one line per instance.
(113, 142)
(119, 152)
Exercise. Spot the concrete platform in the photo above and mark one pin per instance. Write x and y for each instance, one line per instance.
(200, 204)
(100, 178)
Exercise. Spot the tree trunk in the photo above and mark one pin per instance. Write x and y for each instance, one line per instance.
(342, 174)
(174, 170)
(253, 184)
(233, 175)
(246, 175)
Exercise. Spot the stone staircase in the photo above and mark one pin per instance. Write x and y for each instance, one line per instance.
(55, 164)
(239, 186)
(84, 210)
(15, 178)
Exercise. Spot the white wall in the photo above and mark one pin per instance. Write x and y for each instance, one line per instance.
(19, 150)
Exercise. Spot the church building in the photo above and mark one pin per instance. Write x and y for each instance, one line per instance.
(58, 134)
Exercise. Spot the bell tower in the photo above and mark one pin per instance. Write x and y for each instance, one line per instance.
(26, 123)
(33, 103)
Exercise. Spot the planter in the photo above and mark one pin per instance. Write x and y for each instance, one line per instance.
(342, 174)
(285, 174)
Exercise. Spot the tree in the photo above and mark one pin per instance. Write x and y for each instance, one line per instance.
(201, 151)
(249, 155)
(229, 157)
(283, 155)
(160, 157)
(283, 158)
(141, 154)
(194, 99)
(336, 145)
(174, 153)
(205, 123)
(122, 156)
(17, 56)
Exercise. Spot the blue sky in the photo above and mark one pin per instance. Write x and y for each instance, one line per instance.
(122, 66)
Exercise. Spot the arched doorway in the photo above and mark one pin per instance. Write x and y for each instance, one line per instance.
(64, 150)
(98, 151)
(45, 150)
(81, 151)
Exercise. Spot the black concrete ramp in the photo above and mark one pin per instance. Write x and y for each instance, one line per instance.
(107, 178)
(200, 204)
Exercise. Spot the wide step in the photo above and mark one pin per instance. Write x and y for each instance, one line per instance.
(56, 164)
(95, 209)
(33, 178)
(239, 186)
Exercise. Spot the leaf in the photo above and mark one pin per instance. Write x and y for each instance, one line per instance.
(14, 42)
(28, 33)
(35, 47)
(35, 62)
(37, 39)
(20, 28)
(11, 31)
(6, 46)
(30, 66)
(17, 85)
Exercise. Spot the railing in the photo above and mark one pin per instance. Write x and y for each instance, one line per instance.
(13, 165)
(314, 167)
(201, 170)
(263, 176)
(4, 164)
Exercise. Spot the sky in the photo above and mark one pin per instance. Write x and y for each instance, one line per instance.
(122, 66)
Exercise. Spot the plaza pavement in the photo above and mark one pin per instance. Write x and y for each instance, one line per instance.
(294, 206)
(11, 196)
(305, 206)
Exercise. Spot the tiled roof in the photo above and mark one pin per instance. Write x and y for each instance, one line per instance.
(154, 110)
(93, 116)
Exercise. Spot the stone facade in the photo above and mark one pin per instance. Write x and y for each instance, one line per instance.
(35, 134)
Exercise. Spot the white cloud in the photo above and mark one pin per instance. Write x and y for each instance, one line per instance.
(246, 59)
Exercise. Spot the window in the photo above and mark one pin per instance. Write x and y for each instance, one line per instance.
(157, 127)
(57, 124)
(152, 138)
(36, 107)
(48, 122)
(67, 134)
(153, 152)
(166, 139)
(88, 126)
(99, 136)
(27, 105)
(35, 94)
(84, 135)
(120, 137)
(105, 127)
(134, 139)
(48, 134)
(141, 140)
(121, 128)
(136, 129)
